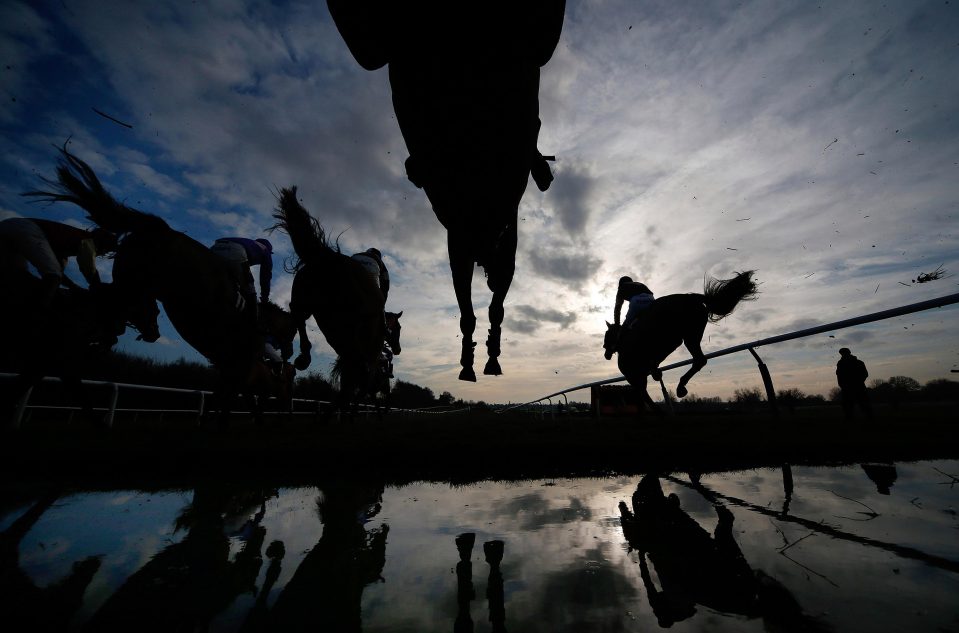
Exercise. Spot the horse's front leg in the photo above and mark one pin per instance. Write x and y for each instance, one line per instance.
(499, 278)
(699, 361)
(461, 266)
(303, 360)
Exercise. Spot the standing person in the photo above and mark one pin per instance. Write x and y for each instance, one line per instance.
(637, 294)
(851, 375)
(244, 253)
(372, 260)
(47, 245)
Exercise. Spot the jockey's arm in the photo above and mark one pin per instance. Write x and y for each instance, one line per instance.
(87, 262)
(266, 275)
(618, 308)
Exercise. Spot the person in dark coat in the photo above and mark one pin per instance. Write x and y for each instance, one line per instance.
(851, 374)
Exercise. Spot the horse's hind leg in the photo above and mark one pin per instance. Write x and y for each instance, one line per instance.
(499, 279)
(699, 359)
(461, 266)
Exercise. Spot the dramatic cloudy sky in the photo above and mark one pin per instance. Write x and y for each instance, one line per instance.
(815, 144)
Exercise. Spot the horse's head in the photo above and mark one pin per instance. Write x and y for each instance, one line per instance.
(138, 311)
(393, 331)
(279, 323)
(611, 340)
(142, 316)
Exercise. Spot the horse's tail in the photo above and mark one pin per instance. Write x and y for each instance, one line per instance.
(336, 374)
(721, 296)
(77, 183)
(308, 237)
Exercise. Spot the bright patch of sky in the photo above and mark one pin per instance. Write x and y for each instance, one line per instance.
(814, 144)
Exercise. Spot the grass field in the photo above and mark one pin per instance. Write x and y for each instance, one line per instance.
(465, 447)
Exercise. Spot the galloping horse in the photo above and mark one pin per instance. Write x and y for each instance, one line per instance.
(340, 296)
(36, 343)
(669, 321)
(465, 81)
(154, 262)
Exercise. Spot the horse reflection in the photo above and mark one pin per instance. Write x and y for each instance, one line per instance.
(185, 586)
(154, 262)
(50, 608)
(465, 84)
(696, 568)
(326, 590)
(670, 321)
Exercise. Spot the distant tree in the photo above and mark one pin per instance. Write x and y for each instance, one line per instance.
(446, 399)
(790, 398)
(896, 390)
(748, 395)
(835, 395)
(314, 386)
(941, 389)
(406, 395)
(905, 384)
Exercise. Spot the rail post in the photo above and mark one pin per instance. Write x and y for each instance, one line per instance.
(200, 407)
(21, 407)
(114, 395)
(767, 383)
(666, 399)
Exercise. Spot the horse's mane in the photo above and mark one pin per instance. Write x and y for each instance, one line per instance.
(77, 183)
(308, 237)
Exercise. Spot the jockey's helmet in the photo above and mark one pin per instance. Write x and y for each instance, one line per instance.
(375, 253)
(625, 280)
(265, 243)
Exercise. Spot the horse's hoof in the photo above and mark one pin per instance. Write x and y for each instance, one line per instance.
(492, 368)
(468, 374)
(681, 391)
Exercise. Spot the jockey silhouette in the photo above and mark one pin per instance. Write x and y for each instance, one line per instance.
(638, 295)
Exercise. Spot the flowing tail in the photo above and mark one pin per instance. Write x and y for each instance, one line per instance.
(308, 237)
(721, 296)
(77, 183)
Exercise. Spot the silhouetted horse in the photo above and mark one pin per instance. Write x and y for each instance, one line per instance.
(59, 341)
(465, 82)
(379, 388)
(155, 262)
(670, 321)
(265, 380)
(340, 295)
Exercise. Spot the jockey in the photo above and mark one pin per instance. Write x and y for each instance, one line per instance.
(372, 261)
(639, 297)
(47, 245)
(242, 254)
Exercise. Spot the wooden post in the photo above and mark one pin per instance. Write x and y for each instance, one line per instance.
(767, 383)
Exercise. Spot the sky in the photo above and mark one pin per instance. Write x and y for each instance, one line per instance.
(817, 145)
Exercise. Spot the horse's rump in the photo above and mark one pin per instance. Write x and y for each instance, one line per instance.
(659, 329)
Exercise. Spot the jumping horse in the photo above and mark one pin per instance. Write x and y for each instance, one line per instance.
(465, 84)
(156, 263)
(340, 296)
(59, 340)
(670, 321)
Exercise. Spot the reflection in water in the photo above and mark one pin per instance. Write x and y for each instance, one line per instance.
(325, 592)
(883, 475)
(50, 608)
(784, 549)
(465, 592)
(188, 583)
(695, 567)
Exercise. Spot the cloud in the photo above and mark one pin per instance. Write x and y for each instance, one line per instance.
(533, 318)
(572, 267)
